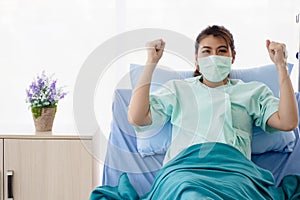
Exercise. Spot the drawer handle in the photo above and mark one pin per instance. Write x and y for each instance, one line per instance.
(10, 174)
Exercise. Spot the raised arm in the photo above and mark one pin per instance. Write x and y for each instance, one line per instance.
(139, 110)
(286, 118)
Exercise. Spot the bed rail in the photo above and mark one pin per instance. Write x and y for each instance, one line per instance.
(297, 54)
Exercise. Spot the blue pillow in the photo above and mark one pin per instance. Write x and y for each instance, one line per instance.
(160, 75)
(266, 74)
(157, 141)
(280, 141)
(297, 94)
(154, 141)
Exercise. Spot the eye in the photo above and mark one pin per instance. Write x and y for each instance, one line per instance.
(205, 51)
(223, 51)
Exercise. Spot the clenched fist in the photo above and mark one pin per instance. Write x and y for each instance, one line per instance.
(155, 50)
(277, 52)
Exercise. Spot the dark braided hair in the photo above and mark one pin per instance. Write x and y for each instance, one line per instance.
(217, 31)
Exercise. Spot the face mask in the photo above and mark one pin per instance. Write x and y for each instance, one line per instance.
(215, 68)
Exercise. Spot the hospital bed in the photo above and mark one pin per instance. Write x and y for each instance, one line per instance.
(141, 157)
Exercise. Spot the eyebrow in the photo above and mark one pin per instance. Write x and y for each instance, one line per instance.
(208, 47)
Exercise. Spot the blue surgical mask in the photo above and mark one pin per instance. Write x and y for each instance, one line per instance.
(215, 68)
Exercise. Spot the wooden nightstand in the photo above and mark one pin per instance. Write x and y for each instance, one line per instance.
(48, 167)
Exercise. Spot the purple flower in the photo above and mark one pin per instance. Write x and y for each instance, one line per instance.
(43, 92)
(53, 88)
(29, 95)
(51, 98)
(63, 95)
(41, 82)
(35, 88)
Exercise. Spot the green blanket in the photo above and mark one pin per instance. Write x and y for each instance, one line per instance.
(208, 171)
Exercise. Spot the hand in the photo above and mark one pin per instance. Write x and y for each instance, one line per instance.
(277, 52)
(155, 50)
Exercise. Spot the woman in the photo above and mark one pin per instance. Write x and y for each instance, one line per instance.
(191, 104)
(212, 118)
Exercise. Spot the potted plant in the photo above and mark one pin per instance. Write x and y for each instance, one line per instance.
(43, 96)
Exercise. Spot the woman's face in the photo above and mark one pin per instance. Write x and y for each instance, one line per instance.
(211, 45)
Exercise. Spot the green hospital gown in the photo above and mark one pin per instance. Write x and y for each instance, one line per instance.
(200, 114)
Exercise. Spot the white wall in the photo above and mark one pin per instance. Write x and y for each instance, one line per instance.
(57, 36)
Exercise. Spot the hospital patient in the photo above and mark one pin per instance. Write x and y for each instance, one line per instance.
(212, 118)
(211, 107)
